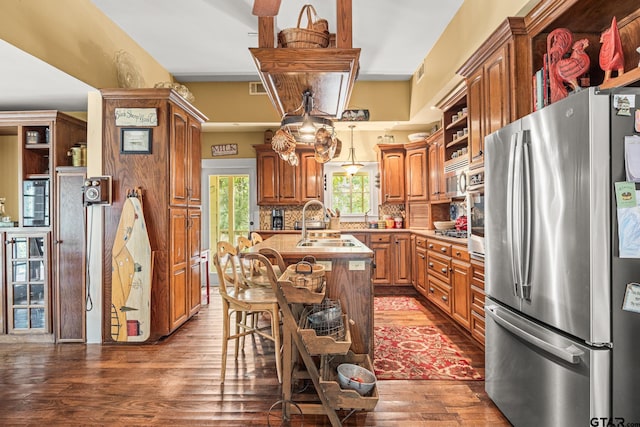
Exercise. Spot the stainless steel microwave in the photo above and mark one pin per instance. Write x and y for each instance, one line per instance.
(456, 183)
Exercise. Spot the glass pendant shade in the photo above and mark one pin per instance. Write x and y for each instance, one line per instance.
(351, 166)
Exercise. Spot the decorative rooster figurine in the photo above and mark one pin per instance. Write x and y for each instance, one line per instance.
(558, 44)
(577, 64)
(611, 55)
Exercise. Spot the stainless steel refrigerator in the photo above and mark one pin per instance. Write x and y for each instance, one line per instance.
(560, 350)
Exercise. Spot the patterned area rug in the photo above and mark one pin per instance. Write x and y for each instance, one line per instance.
(418, 353)
(395, 304)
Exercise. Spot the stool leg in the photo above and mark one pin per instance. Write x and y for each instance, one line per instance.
(226, 320)
(275, 331)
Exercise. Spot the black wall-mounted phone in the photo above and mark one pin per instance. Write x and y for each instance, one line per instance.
(97, 190)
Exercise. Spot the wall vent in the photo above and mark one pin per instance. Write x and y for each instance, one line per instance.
(257, 88)
(420, 72)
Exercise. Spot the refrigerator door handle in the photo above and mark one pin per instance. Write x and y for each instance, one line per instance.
(510, 213)
(571, 354)
(525, 248)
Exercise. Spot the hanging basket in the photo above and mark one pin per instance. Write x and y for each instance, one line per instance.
(315, 35)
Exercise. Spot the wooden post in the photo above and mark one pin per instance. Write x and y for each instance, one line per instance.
(266, 31)
(344, 37)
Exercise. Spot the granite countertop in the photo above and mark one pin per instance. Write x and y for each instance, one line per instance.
(419, 231)
(286, 244)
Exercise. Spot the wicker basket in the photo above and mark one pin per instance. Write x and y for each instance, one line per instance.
(306, 274)
(315, 35)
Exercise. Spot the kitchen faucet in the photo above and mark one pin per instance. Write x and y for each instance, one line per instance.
(304, 219)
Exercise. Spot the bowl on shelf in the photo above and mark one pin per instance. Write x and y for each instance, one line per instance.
(444, 225)
(415, 137)
(356, 378)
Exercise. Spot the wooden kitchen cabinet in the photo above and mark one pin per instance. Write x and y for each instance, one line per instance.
(70, 250)
(420, 265)
(495, 74)
(279, 183)
(460, 285)
(380, 244)
(311, 177)
(169, 178)
(477, 318)
(417, 171)
(437, 186)
(46, 251)
(28, 285)
(391, 255)
(391, 160)
(185, 161)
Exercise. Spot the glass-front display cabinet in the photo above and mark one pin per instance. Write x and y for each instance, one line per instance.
(27, 286)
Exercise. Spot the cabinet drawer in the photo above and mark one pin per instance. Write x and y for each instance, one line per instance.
(477, 327)
(459, 253)
(477, 274)
(439, 247)
(477, 300)
(440, 294)
(380, 238)
(439, 266)
(421, 242)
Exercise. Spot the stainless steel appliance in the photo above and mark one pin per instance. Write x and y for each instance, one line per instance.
(476, 213)
(35, 203)
(277, 219)
(560, 350)
(456, 180)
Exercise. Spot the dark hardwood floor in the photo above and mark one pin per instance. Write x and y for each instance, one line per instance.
(177, 382)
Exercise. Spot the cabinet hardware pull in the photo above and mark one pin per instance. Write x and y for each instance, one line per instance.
(430, 246)
(431, 264)
(444, 271)
(431, 290)
(443, 249)
(457, 253)
(444, 298)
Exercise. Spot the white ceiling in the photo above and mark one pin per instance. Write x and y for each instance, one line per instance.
(208, 40)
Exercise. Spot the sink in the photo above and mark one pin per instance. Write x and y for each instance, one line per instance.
(327, 243)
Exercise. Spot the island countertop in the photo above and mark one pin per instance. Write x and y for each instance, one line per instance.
(286, 244)
(348, 272)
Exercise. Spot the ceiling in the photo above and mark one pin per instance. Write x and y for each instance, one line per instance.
(208, 40)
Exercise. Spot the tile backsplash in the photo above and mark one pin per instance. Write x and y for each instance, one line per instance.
(294, 213)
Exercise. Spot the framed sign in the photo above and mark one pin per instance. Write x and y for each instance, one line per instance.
(135, 141)
(224, 150)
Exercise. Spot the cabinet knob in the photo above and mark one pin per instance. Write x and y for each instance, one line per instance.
(430, 246)
(458, 253)
(431, 290)
(443, 249)
(431, 264)
(421, 256)
(444, 298)
(444, 271)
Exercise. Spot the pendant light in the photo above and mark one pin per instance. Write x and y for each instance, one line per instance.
(352, 167)
(304, 127)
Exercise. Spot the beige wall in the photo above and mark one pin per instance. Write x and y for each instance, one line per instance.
(9, 185)
(469, 28)
(75, 37)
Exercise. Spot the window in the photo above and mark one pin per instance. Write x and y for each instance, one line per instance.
(353, 196)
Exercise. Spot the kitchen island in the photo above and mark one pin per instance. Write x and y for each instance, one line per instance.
(348, 276)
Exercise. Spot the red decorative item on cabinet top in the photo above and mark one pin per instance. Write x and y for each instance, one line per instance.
(611, 54)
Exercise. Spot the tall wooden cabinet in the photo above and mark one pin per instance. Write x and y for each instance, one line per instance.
(70, 248)
(169, 176)
(498, 84)
(417, 171)
(40, 298)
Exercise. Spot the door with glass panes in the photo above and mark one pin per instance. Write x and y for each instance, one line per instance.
(27, 283)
